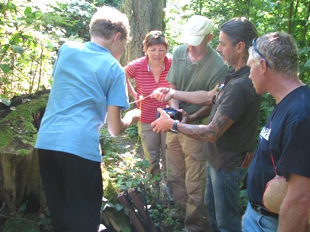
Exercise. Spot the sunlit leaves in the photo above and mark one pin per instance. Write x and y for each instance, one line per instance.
(5, 101)
(28, 10)
(18, 49)
(5, 68)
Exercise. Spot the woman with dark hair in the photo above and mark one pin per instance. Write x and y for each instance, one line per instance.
(150, 73)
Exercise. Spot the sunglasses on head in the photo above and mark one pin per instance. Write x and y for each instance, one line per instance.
(155, 34)
(260, 54)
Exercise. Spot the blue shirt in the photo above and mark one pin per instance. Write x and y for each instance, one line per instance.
(286, 136)
(87, 79)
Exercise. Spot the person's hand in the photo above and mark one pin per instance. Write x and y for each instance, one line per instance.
(164, 123)
(163, 94)
(134, 115)
(186, 118)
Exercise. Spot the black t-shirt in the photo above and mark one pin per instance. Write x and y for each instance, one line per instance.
(286, 135)
(239, 102)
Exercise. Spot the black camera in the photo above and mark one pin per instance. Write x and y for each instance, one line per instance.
(174, 114)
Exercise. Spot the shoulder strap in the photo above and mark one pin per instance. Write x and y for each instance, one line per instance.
(273, 164)
(201, 71)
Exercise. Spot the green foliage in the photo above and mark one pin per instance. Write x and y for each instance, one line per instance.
(18, 123)
(30, 38)
(20, 221)
(5, 101)
(114, 3)
(132, 131)
(126, 170)
(268, 103)
(24, 59)
(267, 16)
(243, 196)
(72, 19)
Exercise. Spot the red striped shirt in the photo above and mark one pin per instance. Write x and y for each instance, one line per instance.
(145, 84)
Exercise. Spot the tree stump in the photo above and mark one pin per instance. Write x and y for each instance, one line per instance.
(19, 167)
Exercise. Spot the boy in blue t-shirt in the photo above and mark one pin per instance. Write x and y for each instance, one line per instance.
(89, 85)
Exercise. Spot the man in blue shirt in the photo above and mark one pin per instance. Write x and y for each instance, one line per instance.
(284, 147)
(89, 84)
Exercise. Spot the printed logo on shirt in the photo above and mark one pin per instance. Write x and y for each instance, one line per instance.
(265, 133)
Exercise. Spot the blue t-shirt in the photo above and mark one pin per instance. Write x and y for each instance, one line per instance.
(87, 79)
(286, 136)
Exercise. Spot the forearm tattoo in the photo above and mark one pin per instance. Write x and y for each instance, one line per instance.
(210, 132)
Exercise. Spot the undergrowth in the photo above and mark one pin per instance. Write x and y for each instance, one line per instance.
(123, 169)
(126, 170)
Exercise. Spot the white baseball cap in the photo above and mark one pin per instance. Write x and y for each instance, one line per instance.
(195, 30)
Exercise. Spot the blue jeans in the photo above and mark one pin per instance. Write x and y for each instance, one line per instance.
(254, 221)
(222, 198)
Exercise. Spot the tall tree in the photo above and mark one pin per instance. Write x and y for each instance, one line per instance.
(144, 16)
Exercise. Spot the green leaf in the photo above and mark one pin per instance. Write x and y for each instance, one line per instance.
(111, 205)
(128, 184)
(307, 64)
(28, 10)
(145, 163)
(46, 221)
(127, 229)
(38, 14)
(5, 68)
(126, 210)
(122, 187)
(119, 207)
(18, 49)
(23, 207)
(5, 101)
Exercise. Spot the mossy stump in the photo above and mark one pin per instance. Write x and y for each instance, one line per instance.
(19, 166)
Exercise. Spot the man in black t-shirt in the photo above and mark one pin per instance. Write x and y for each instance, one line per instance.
(284, 144)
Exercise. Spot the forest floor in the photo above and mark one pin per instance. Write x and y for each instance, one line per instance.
(136, 149)
(25, 222)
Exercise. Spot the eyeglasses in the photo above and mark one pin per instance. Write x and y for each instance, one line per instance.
(260, 54)
(155, 34)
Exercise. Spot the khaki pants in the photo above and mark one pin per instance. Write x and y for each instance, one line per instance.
(186, 165)
(154, 147)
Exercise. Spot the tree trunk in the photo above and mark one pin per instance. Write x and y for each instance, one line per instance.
(144, 16)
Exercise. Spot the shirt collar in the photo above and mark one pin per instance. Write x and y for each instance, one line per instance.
(235, 74)
(146, 67)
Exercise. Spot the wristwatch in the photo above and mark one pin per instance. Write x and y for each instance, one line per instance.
(175, 127)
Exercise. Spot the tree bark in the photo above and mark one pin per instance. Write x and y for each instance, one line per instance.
(144, 16)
